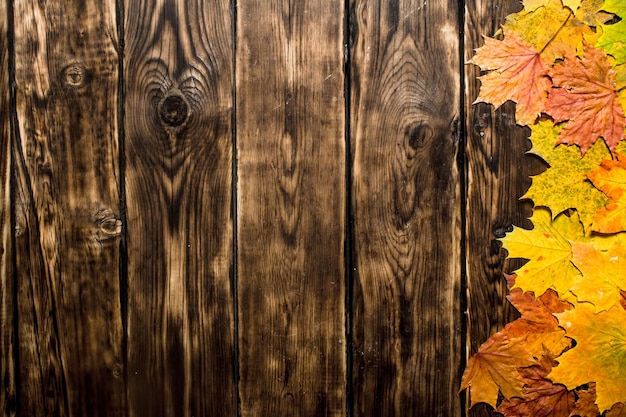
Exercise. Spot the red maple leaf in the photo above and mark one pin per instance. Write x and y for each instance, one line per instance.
(517, 73)
(585, 96)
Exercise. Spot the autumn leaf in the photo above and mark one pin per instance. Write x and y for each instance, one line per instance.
(604, 273)
(548, 249)
(610, 178)
(564, 184)
(599, 354)
(541, 398)
(537, 328)
(585, 97)
(517, 73)
(550, 28)
(494, 368)
(613, 41)
(524, 341)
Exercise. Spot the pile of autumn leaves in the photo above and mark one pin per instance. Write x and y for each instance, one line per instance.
(563, 62)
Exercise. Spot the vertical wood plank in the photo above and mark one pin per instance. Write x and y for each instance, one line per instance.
(67, 209)
(8, 398)
(291, 208)
(178, 110)
(406, 199)
(498, 174)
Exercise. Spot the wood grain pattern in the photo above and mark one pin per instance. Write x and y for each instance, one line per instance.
(406, 195)
(8, 400)
(67, 214)
(498, 173)
(178, 110)
(291, 205)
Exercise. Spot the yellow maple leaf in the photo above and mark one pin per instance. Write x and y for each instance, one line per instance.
(551, 29)
(610, 178)
(548, 249)
(604, 272)
(599, 355)
(564, 184)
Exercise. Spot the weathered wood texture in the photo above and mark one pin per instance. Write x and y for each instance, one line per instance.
(291, 208)
(8, 394)
(307, 260)
(178, 123)
(405, 108)
(497, 175)
(67, 214)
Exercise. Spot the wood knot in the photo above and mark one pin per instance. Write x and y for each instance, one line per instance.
(174, 110)
(75, 75)
(418, 134)
(108, 224)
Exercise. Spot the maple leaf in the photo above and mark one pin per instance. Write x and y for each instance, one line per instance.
(599, 354)
(612, 40)
(541, 398)
(517, 73)
(604, 273)
(564, 184)
(494, 368)
(520, 344)
(537, 328)
(548, 249)
(584, 95)
(610, 178)
(550, 28)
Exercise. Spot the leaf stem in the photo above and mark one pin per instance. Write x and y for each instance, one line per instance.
(570, 14)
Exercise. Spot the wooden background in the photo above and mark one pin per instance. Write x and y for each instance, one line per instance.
(250, 208)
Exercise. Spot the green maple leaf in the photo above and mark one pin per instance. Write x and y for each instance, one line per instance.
(599, 354)
(548, 249)
(564, 184)
(612, 41)
(617, 7)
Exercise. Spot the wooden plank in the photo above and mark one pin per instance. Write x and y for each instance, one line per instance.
(8, 400)
(291, 208)
(406, 199)
(67, 212)
(498, 174)
(178, 110)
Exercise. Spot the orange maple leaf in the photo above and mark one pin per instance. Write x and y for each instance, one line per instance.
(517, 73)
(541, 397)
(610, 178)
(500, 362)
(584, 95)
(494, 368)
